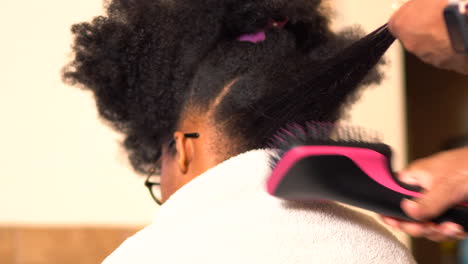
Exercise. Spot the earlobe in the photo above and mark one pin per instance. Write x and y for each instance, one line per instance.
(184, 152)
(181, 153)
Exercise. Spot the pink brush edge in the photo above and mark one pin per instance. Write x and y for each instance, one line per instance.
(369, 161)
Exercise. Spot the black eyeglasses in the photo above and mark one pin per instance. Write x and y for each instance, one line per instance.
(153, 181)
(187, 135)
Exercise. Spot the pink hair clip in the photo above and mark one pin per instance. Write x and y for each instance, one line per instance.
(260, 36)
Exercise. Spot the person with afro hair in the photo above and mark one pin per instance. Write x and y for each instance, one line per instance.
(198, 88)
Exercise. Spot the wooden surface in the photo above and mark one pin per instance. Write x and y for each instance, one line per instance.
(59, 245)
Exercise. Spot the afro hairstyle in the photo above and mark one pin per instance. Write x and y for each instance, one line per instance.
(146, 60)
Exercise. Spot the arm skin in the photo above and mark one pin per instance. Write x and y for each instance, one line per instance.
(420, 27)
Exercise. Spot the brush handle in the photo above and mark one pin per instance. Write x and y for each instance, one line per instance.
(456, 214)
(358, 177)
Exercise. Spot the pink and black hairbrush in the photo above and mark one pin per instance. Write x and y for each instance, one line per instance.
(325, 162)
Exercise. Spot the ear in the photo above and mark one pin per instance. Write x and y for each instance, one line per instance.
(185, 150)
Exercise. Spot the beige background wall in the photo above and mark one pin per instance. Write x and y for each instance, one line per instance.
(59, 165)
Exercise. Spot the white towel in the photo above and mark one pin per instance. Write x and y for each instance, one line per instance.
(226, 216)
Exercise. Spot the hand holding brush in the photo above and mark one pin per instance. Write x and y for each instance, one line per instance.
(444, 177)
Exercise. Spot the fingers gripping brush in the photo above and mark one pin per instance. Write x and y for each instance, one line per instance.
(344, 164)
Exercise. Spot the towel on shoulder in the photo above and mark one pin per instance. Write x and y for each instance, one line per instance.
(226, 216)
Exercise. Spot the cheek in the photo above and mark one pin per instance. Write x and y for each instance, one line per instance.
(169, 177)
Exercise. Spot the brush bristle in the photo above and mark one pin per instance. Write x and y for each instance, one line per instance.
(324, 134)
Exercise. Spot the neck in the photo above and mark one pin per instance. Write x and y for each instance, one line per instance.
(205, 148)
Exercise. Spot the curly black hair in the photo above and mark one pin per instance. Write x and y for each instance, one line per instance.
(147, 60)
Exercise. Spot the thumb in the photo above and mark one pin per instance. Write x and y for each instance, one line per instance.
(432, 203)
